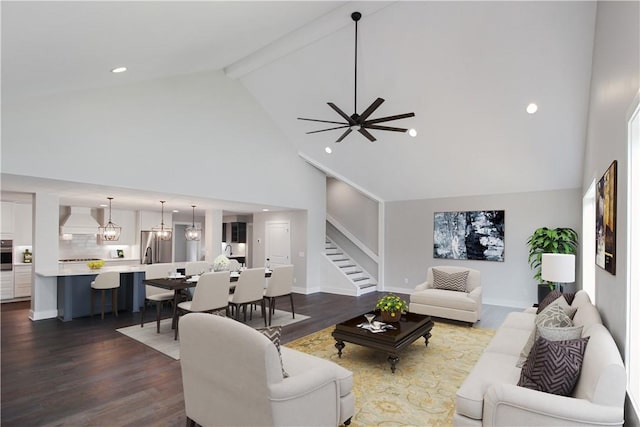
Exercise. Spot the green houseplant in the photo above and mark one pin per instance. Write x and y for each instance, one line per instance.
(391, 307)
(562, 240)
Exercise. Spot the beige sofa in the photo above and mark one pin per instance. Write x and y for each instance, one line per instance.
(489, 395)
(447, 304)
(232, 376)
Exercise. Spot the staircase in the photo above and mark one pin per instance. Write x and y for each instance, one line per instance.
(361, 280)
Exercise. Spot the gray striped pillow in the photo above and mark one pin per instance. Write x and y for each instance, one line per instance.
(450, 281)
(273, 333)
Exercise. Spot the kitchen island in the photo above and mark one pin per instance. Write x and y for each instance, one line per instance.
(74, 289)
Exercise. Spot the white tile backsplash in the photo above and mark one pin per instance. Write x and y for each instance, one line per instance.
(87, 246)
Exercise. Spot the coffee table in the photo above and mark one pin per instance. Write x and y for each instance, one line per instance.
(410, 327)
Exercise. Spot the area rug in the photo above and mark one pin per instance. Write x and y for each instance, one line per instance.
(164, 342)
(422, 390)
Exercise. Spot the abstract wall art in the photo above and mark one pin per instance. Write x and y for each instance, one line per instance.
(606, 219)
(475, 235)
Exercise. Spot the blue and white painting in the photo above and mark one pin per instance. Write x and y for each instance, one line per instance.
(475, 235)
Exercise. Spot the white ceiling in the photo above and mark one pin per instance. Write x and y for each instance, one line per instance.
(467, 69)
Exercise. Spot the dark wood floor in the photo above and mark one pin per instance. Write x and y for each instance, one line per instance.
(84, 373)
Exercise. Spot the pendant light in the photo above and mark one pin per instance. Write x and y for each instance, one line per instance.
(110, 231)
(193, 232)
(161, 231)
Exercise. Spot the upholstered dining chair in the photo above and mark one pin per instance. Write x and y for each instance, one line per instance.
(102, 282)
(279, 284)
(232, 375)
(192, 268)
(249, 290)
(154, 293)
(211, 294)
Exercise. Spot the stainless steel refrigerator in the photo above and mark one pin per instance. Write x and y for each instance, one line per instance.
(153, 250)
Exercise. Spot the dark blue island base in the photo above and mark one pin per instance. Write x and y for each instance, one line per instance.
(74, 295)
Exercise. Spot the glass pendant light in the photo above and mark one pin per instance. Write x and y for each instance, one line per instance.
(110, 231)
(193, 232)
(161, 231)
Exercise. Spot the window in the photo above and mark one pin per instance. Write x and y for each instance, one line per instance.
(633, 268)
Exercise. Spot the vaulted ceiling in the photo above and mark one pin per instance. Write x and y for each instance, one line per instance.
(467, 70)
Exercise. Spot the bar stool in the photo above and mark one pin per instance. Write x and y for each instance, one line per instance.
(102, 282)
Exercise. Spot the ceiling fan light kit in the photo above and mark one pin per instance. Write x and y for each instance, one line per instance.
(359, 122)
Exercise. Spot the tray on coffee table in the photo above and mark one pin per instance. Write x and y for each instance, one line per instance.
(410, 327)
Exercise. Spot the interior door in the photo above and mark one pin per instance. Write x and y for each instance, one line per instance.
(277, 243)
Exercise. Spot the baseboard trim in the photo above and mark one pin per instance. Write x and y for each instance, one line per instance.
(41, 315)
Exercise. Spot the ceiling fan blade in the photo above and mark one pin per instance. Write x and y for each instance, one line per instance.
(324, 130)
(389, 118)
(322, 121)
(366, 134)
(342, 113)
(378, 127)
(346, 132)
(366, 113)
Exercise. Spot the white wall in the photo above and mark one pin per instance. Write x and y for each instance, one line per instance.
(128, 136)
(615, 81)
(409, 240)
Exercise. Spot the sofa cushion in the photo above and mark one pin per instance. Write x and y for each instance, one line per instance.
(587, 316)
(553, 366)
(554, 315)
(444, 298)
(273, 333)
(297, 362)
(450, 281)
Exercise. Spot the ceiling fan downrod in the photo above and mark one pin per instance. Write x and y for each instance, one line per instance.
(356, 17)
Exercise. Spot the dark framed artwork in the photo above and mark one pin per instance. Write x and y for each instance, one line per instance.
(475, 235)
(606, 202)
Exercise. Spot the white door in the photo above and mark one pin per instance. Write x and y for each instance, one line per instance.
(277, 241)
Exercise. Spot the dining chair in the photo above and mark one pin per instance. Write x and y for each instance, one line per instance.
(154, 293)
(102, 282)
(211, 294)
(249, 290)
(280, 284)
(192, 268)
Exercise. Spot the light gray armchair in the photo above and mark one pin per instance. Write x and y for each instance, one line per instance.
(449, 304)
(232, 376)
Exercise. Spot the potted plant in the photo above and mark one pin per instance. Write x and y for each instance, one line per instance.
(391, 307)
(560, 240)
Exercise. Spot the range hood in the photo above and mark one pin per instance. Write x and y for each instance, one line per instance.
(79, 221)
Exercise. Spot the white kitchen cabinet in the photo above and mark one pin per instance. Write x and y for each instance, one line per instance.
(6, 284)
(127, 221)
(23, 224)
(6, 218)
(22, 279)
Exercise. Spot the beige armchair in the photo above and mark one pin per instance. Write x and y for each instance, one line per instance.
(449, 304)
(232, 376)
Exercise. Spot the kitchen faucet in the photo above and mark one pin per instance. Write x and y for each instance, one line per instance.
(148, 255)
(230, 249)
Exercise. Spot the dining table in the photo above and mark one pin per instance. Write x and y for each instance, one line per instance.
(180, 282)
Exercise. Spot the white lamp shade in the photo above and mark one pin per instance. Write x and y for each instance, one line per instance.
(559, 268)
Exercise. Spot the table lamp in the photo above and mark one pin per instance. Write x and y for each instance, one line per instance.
(559, 268)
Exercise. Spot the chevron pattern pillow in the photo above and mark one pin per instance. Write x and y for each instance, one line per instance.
(450, 281)
(273, 333)
(554, 366)
(555, 316)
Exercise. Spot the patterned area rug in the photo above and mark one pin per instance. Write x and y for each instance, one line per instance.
(422, 391)
(164, 342)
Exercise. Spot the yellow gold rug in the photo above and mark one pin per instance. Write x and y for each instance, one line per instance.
(422, 391)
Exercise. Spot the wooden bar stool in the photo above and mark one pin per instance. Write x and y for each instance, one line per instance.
(104, 281)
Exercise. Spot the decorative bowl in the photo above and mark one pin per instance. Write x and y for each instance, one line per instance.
(95, 265)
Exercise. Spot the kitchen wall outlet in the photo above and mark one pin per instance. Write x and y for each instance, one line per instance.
(406, 281)
(301, 254)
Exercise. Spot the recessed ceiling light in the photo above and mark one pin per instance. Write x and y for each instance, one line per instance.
(265, 210)
(532, 108)
(175, 211)
(119, 70)
(413, 132)
(328, 150)
(103, 205)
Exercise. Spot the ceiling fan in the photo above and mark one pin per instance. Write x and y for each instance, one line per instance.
(359, 122)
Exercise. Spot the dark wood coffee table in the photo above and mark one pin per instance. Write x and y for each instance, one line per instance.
(410, 327)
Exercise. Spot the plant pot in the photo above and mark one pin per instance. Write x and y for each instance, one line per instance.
(387, 317)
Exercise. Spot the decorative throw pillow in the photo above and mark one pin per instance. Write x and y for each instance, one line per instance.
(273, 333)
(450, 281)
(552, 296)
(554, 366)
(551, 334)
(555, 315)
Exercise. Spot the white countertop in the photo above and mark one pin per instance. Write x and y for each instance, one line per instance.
(82, 270)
